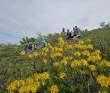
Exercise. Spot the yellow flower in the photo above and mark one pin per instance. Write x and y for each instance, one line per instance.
(88, 40)
(37, 84)
(48, 44)
(62, 75)
(70, 58)
(37, 76)
(63, 62)
(84, 62)
(35, 54)
(104, 62)
(22, 89)
(22, 53)
(45, 49)
(56, 64)
(83, 47)
(86, 53)
(98, 57)
(60, 39)
(12, 87)
(92, 67)
(108, 64)
(66, 58)
(92, 58)
(77, 54)
(43, 82)
(45, 76)
(69, 47)
(76, 45)
(90, 47)
(54, 89)
(45, 61)
(52, 55)
(75, 63)
(22, 82)
(80, 42)
(45, 54)
(59, 54)
(98, 51)
(104, 81)
(29, 80)
(30, 55)
(60, 49)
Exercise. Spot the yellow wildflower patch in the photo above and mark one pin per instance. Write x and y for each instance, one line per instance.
(54, 89)
(62, 75)
(92, 67)
(30, 55)
(22, 53)
(77, 54)
(80, 42)
(45, 61)
(56, 64)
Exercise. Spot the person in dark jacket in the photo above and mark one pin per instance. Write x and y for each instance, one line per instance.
(76, 31)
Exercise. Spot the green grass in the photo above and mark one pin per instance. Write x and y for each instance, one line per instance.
(14, 66)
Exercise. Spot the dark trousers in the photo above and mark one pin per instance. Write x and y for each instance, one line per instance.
(74, 35)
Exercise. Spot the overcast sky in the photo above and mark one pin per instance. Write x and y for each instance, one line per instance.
(19, 18)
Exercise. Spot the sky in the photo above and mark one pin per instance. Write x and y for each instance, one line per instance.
(21, 18)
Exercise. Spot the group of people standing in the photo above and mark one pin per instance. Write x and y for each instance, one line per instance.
(31, 47)
(73, 34)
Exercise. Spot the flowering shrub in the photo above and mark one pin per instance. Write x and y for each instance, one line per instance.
(65, 69)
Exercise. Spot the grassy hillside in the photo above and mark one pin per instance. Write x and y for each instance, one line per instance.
(68, 69)
(100, 39)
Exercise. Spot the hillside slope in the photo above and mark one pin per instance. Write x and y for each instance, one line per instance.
(14, 66)
(100, 39)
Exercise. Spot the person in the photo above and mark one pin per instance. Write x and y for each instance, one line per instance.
(46, 41)
(37, 45)
(76, 31)
(72, 32)
(79, 35)
(42, 43)
(68, 34)
(63, 31)
(29, 48)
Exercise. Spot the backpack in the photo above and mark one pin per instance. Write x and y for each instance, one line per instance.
(30, 46)
(26, 47)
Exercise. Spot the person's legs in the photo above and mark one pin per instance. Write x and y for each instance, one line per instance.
(74, 35)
